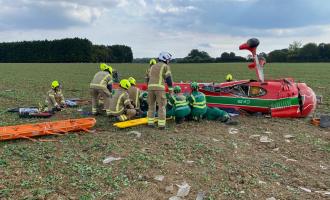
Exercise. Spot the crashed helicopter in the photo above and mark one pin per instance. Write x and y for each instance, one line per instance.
(283, 97)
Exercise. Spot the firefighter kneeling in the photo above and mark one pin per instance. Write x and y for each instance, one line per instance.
(120, 105)
(55, 99)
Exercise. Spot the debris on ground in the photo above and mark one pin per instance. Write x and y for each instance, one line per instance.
(159, 178)
(200, 195)
(276, 149)
(324, 193)
(288, 136)
(268, 132)
(271, 198)
(174, 198)
(289, 159)
(110, 159)
(265, 139)
(305, 189)
(184, 189)
(190, 162)
(169, 188)
(323, 167)
(287, 141)
(215, 140)
(254, 136)
(137, 133)
(261, 182)
(232, 131)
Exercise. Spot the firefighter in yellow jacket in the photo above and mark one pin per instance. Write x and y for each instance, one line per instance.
(151, 63)
(55, 99)
(101, 85)
(134, 94)
(157, 76)
(120, 105)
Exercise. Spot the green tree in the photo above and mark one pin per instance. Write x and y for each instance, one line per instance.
(293, 51)
(278, 56)
(309, 52)
(196, 56)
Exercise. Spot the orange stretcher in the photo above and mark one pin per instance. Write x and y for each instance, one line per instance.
(26, 131)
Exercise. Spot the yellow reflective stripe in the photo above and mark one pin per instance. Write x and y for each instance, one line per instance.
(51, 95)
(156, 85)
(123, 117)
(193, 98)
(98, 85)
(199, 103)
(137, 97)
(168, 73)
(127, 100)
(104, 82)
(119, 100)
(181, 104)
(204, 106)
(161, 122)
(161, 75)
(151, 120)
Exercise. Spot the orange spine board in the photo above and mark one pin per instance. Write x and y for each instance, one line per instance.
(46, 128)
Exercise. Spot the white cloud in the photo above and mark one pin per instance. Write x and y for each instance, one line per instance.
(173, 9)
(151, 26)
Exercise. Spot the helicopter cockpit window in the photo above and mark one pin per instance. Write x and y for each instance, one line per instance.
(240, 90)
(209, 88)
(256, 91)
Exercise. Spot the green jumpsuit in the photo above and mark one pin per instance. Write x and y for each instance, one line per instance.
(198, 105)
(180, 108)
(213, 113)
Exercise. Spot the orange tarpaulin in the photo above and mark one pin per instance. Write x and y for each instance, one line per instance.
(27, 131)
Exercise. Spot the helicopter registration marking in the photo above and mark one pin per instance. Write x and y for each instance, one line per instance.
(245, 101)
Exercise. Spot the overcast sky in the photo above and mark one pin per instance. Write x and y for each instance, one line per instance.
(176, 26)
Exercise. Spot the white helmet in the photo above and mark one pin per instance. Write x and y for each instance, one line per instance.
(165, 56)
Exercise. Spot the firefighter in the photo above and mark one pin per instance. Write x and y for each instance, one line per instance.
(159, 73)
(55, 99)
(197, 102)
(144, 105)
(134, 94)
(120, 105)
(151, 63)
(101, 86)
(229, 78)
(180, 105)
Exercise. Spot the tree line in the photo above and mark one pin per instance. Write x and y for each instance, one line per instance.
(197, 56)
(296, 52)
(63, 50)
(82, 50)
